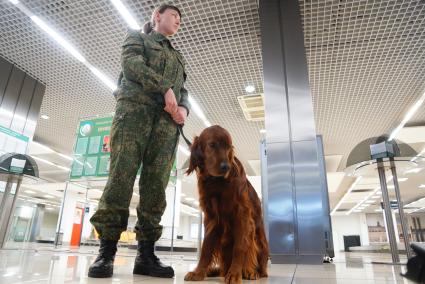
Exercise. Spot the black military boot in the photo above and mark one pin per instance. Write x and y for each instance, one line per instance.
(148, 264)
(103, 266)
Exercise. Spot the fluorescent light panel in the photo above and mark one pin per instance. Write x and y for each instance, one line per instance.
(418, 155)
(345, 195)
(111, 85)
(65, 156)
(198, 111)
(362, 204)
(58, 38)
(126, 14)
(407, 117)
(50, 150)
(50, 163)
(413, 171)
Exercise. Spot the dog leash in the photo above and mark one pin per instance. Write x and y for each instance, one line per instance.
(180, 128)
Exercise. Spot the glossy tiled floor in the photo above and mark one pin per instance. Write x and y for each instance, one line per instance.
(47, 265)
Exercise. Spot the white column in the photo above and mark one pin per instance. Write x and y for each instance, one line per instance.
(364, 231)
(385, 224)
(87, 227)
(397, 234)
(68, 217)
(395, 226)
(167, 217)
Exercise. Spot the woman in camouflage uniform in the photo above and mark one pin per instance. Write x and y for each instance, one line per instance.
(151, 101)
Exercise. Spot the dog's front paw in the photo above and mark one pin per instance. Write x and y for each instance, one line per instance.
(233, 278)
(251, 275)
(194, 276)
(263, 274)
(214, 272)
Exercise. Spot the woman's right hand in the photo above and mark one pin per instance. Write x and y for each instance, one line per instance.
(170, 102)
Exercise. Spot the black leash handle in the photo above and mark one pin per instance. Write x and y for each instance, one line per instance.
(180, 128)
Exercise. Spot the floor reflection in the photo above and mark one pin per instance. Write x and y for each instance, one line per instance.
(70, 266)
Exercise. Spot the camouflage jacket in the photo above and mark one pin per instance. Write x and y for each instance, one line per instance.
(150, 66)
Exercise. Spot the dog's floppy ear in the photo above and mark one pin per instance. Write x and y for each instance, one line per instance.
(236, 166)
(196, 159)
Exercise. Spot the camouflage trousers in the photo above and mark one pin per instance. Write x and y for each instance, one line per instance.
(140, 134)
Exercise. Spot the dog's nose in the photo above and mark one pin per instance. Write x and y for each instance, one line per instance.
(224, 167)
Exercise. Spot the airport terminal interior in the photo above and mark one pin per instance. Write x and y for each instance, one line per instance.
(323, 99)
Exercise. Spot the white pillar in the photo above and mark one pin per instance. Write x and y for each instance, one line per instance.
(87, 227)
(397, 234)
(385, 224)
(364, 231)
(395, 226)
(167, 217)
(68, 217)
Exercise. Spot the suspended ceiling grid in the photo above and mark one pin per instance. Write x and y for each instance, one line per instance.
(366, 63)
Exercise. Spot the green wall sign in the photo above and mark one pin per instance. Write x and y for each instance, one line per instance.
(92, 148)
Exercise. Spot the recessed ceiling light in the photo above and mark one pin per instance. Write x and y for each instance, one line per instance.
(29, 191)
(250, 89)
(48, 196)
(44, 116)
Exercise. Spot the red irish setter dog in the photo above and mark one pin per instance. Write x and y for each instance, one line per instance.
(235, 244)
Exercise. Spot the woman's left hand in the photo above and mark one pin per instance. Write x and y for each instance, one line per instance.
(180, 115)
